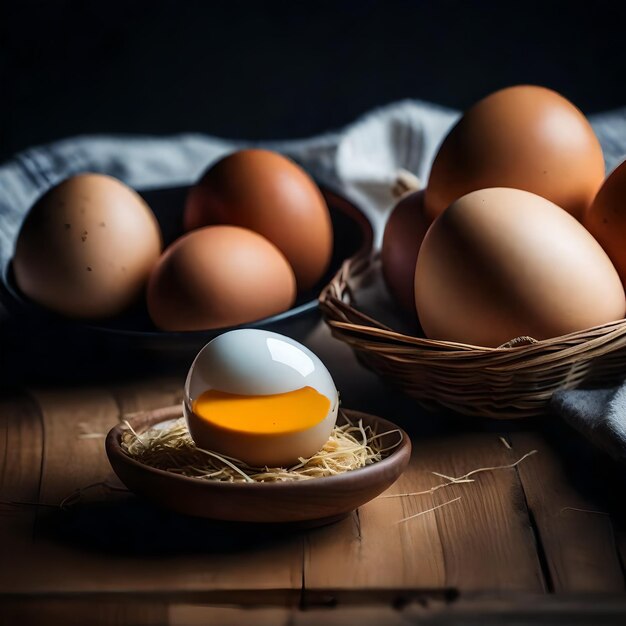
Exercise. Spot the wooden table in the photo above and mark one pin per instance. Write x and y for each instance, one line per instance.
(542, 542)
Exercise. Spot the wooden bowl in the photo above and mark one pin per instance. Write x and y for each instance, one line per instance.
(316, 501)
(133, 333)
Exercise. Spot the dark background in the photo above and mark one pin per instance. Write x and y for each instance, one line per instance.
(286, 69)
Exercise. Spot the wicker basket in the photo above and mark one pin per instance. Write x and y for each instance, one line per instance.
(511, 381)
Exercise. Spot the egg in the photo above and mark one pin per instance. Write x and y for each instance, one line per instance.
(502, 263)
(404, 231)
(270, 194)
(86, 248)
(525, 137)
(219, 276)
(606, 218)
(260, 397)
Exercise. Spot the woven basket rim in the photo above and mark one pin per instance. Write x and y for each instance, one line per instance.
(329, 303)
(508, 381)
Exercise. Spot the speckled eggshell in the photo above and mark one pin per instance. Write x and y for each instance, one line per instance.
(502, 263)
(524, 137)
(87, 247)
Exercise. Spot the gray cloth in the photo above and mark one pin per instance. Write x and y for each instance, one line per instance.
(598, 414)
(360, 161)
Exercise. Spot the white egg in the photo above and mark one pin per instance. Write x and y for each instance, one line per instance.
(250, 361)
(260, 397)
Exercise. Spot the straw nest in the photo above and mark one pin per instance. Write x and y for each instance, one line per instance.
(514, 380)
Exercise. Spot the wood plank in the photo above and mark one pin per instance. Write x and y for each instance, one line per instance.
(483, 541)
(21, 448)
(471, 610)
(370, 550)
(21, 455)
(148, 394)
(73, 456)
(349, 616)
(82, 611)
(85, 556)
(487, 539)
(620, 541)
(519, 609)
(579, 546)
(201, 615)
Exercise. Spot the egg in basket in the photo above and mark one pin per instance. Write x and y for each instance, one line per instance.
(509, 266)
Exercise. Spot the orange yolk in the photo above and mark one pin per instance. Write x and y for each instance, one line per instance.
(278, 413)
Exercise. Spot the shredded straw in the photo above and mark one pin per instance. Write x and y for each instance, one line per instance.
(451, 480)
(573, 508)
(170, 447)
(439, 506)
(505, 443)
(455, 480)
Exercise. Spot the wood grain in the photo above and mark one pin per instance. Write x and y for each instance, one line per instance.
(481, 610)
(80, 611)
(148, 394)
(85, 557)
(517, 609)
(118, 548)
(466, 545)
(578, 545)
(21, 456)
(74, 425)
(370, 550)
(21, 448)
(195, 615)
(487, 539)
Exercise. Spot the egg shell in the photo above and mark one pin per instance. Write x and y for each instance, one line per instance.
(525, 137)
(274, 364)
(503, 263)
(404, 232)
(270, 194)
(606, 218)
(258, 362)
(86, 248)
(219, 276)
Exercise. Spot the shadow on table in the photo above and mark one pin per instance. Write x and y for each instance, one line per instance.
(600, 480)
(121, 523)
(595, 475)
(132, 526)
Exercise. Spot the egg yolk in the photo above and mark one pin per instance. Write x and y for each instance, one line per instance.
(277, 413)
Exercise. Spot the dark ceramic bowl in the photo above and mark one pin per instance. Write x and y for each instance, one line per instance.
(135, 331)
(316, 501)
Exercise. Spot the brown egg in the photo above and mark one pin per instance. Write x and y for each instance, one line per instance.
(219, 276)
(405, 229)
(266, 192)
(87, 247)
(523, 137)
(606, 218)
(503, 263)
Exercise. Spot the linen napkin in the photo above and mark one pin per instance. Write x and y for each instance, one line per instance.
(598, 414)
